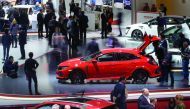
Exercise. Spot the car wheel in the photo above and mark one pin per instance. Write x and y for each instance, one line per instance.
(77, 77)
(137, 34)
(140, 77)
(61, 81)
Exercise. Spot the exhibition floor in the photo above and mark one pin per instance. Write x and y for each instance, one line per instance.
(48, 84)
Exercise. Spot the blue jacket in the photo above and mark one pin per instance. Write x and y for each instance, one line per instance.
(6, 40)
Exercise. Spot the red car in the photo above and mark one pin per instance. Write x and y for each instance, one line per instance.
(76, 103)
(111, 64)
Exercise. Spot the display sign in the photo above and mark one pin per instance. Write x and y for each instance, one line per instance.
(118, 4)
(127, 4)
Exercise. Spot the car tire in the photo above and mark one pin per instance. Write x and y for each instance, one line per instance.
(61, 81)
(140, 77)
(77, 77)
(137, 34)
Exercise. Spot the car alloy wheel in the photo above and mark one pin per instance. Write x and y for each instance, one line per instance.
(137, 34)
(77, 77)
(140, 77)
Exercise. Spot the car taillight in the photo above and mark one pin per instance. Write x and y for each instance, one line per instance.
(152, 61)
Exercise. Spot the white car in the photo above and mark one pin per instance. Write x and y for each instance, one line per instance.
(137, 31)
(32, 15)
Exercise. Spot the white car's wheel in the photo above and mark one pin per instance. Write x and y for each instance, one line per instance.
(137, 34)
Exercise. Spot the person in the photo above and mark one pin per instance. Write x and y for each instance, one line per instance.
(153, 8)
(40, 19)
(10, 67)
(6, 42)
(179, 102)
(49, 6)
(120, 93)
(2, 15)
(163, 9)
(92, 47)
(185, 54)
(76, 10)
(14, 27)
(144, 100)
(30, 67)
(52, 25)
(11, 13)
(153, 102)
(146, 7)
(63, 25)
(83, 23)
(161, 24)
(167, 64)
(47, 19)
(164, 43)
(62, 8)
(172, 103)
(110, 19)
(67, 107)
(24, 20)
(55, 106)
(104, 24)
(22, 42)
(70, 29)
(72, 6)
(119, 16)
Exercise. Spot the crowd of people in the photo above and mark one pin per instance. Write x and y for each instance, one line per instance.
(162, 8)
(119, 96)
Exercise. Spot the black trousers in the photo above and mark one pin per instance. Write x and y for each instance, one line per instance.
(22, 51)
(83, 35)
(40, 31)
(104, 31)
(47, 30)
(33, 77)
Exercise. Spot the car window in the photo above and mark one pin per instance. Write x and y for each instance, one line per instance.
(91, 56)
(173, 21)
(126, 56)
(153, 22)
(106, 57)
(171, 30)
(45, 107)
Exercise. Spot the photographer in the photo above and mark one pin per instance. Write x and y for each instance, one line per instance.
(10, 67)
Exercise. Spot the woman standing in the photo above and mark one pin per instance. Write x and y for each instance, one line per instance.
(14, 30)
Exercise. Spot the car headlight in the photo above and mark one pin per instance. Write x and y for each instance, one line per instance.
(62, 67)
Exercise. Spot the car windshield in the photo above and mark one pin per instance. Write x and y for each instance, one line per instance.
(89, 57)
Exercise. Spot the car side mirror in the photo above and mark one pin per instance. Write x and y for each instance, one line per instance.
(149, 24)
(94, 61)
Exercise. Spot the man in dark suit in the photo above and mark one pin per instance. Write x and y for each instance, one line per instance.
(143, 100)
(104, 24)
(83, 23)
(22, 41)
(40, 18)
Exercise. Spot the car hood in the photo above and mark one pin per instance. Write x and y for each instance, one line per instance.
(71, 62)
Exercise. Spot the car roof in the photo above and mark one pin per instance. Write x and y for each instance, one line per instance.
(118, 50)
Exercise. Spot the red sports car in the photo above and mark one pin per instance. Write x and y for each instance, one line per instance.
(76, 103)
(111, 64)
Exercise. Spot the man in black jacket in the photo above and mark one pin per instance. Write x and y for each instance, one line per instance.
(104, 24)
(30, 71)
(22, 41)
(83, 23)
(24, 20)
(40, 18)
(47, 18)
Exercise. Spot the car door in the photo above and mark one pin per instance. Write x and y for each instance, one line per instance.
(126, 63)
(102, 66)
